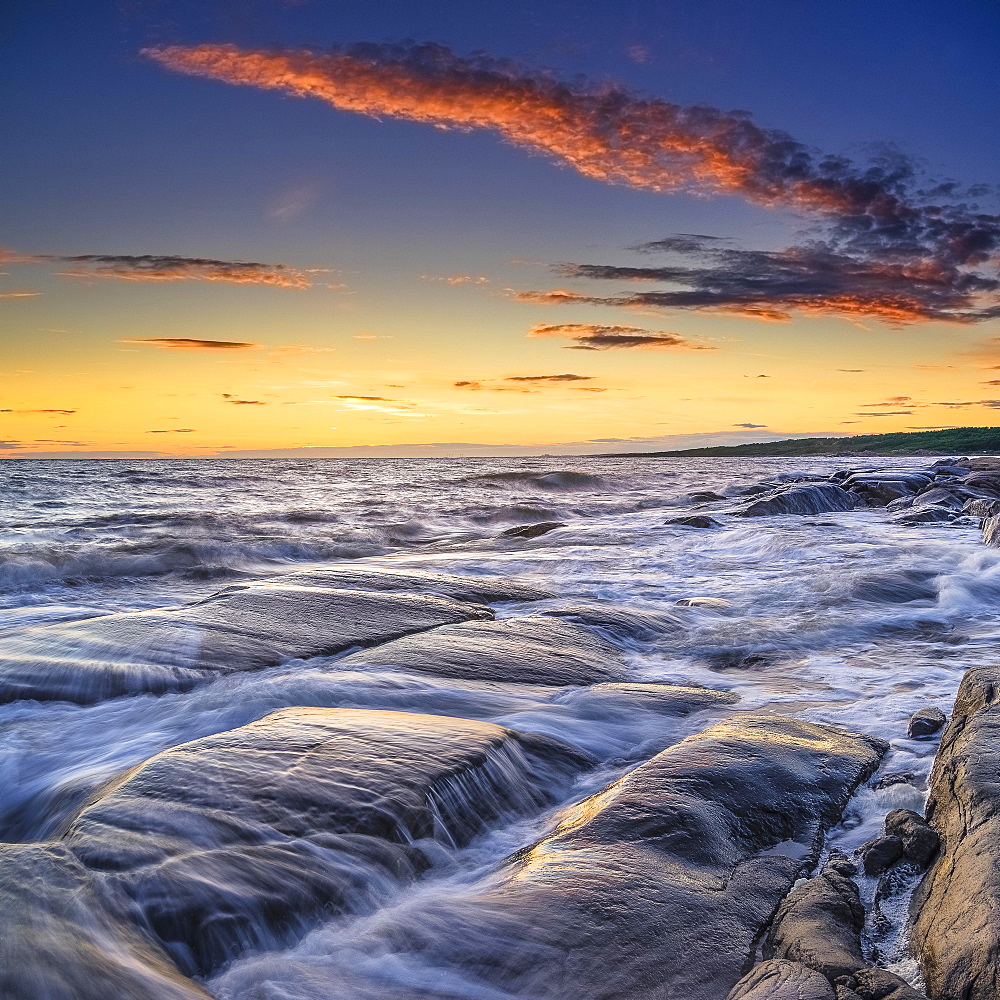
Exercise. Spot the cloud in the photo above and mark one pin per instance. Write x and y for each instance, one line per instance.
(247, 402)
(169, 267)
(888, 413)
(594, 337)
(194, 344)
(63, 413)
(18, 293)
(371, 399)
(566, 377)
(894, 245)
(891, 401)
(174, 430)
(750, 426)
(458, 279)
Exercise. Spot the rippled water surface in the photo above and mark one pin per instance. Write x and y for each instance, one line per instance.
(846, 618)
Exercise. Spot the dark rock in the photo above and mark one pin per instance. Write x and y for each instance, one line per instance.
(695, 521)
(880, 854)
(629, 623)
(532, 530)
(988, 482)
(705, 496)
(659, 885)
(881, 488)
(530, 650)
(63, 937)
(878, 984)
(717, 603)
(924, 515)
(899, 587)
(981, 507)
(925, 722)
(410, 581)
(920, 839)
(955, 907)
(819, 924)
(819, 498)
(236, 840)
(941, 497)
(903, 503)
(151, 652)
(778, 980)
(991, 530)
(601, 700)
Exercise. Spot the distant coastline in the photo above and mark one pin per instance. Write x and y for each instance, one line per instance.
(953, 441)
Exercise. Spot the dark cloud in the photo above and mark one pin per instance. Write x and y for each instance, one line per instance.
(62, 413)
(892, 244)
(567, 377)
(169, 267)
(851, 371)
(595, 337)
(247, 402)
(369, 399)
(750, 426)
(891, 401)
(193, 344)
(887, 413)
(174, 430)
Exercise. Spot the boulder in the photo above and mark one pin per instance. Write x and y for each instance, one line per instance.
(778, 980)
(817, 498)
(631, 623)
(535, 649)
(925, 722)
(705, 496)
(881, 488)
(819, 924)
(953, 498)
(924, 515)
(695, 521)
(879, 984)
(955, 907)
(603, 700)
(64, 937)
(919, 838)
(880, 854)
(991, 530)
(481, 590)
(532, 530)
(237, 840)
(151, 652)
(657, 887)
(981, 507)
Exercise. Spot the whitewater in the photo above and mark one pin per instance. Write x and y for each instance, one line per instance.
(848, 618)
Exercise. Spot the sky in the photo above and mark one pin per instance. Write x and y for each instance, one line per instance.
(307, 227)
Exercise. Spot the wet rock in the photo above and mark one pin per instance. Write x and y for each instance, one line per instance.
(955, 907)
(705, 496)
(920, 839)
(988, 482)
(659, 885)
(903, 503)
(925, 722)
(981, 507)
(664, 699)
(941, 497)
(896, 587)
(924, 515)
(778, 980)
(151, 652)
(462, 588)
(532, 530)
(819, 498)
(878, 984)
(991, 530)
(879, 854)
(530, 650)
(235, 841)
(718, 603)
(879, 492)
(64, 937)
(819, 924)
(695, 521)
(629, 623)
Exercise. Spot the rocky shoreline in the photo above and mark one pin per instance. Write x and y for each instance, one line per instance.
(697, 870)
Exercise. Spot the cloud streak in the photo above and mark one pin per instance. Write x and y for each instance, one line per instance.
(895, 246)
(193, 344)
(595, 337)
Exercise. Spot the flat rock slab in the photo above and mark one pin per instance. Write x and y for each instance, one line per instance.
(63, 938)
(153, 652)
(238, 839)
(534, 649)
(817, 498)
(485, 590)
(659, 886)
(956, 930)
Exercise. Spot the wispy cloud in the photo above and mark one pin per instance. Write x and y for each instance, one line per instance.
(750, 426)
(891, 401)
(247, 402)
(565, 377)
(18, 293)
(62, 413)
(193, 344)
(457, 279)
(887, 413)
(174, 430)
(596, 337)
(894, 246)
(169, 267)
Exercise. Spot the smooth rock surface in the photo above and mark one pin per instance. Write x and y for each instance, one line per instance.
(955, 929)
(779, 980)
(925, 722)
(235, 841)
(532, 650)
(695, 521)
(991, 530)
(817, 498)
(878, 984)
(153, 652)
(920, 840)
(624, 622)
(880, 854)
(532, 530)
(659, 886)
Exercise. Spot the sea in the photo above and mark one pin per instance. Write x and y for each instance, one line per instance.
(848, 618)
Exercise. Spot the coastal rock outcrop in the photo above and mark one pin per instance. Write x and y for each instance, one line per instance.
(535, 649)
(779, 980)
(955, 908)
(152, 652)
(238, 839)
(815, 498)
(660, 885)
